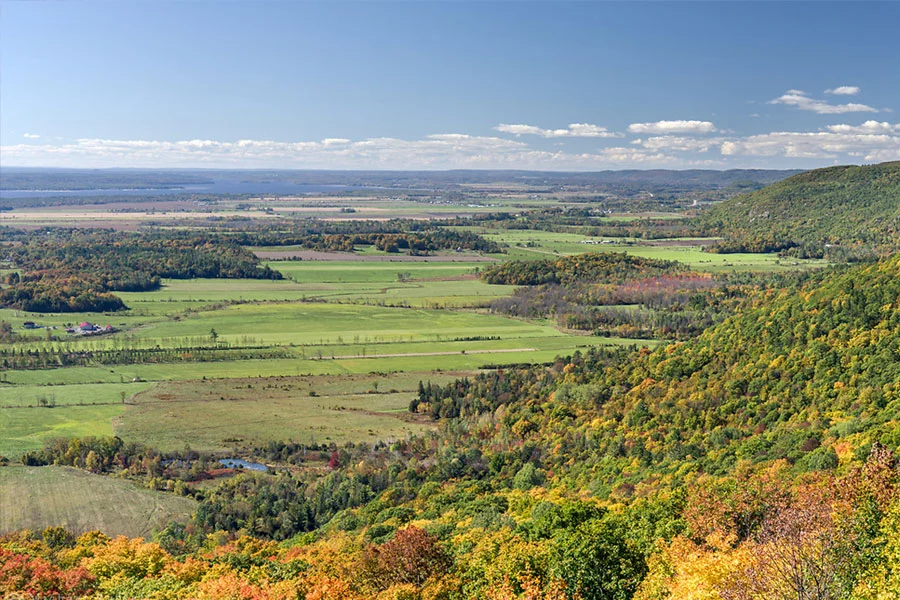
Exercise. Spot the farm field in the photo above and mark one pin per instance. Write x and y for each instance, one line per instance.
(539, 245)
(225, 414)
(172, 213)
(319, 323)
(313, 338)
(25, 429)
(48, 396)
(336, 359)
(38, 497)
(435, 285)
(28, 428)
(355, 271)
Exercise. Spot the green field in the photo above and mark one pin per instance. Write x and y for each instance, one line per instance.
(351, 271)
(38, 497)
(225, 414)
(48, 396)
(538, 245)
(26, 429)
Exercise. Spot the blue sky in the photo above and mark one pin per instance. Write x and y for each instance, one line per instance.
(438, 85)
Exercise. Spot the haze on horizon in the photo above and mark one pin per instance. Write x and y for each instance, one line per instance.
(448, 85)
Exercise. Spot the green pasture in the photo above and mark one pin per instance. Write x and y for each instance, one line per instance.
(24, 429)
(35, 498)
(225, 414)
(181, 302)
(87, 394)
(342, 332)
(357, 283)
(349, 358)
(302, 271)
(539, 245)
(28, 428)
(319, 323)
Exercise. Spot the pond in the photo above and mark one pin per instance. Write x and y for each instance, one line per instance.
(238, 463)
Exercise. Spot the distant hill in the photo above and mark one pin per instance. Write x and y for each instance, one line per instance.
(846, 205)
(626, 182)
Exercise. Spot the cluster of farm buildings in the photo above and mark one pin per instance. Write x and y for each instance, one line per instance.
(85, 328)
(89, 329)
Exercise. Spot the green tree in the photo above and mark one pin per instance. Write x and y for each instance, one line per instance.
(596, 562)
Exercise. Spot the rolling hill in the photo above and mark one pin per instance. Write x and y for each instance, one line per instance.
(835, 206)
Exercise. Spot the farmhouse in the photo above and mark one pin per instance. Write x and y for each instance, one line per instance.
(88, 328)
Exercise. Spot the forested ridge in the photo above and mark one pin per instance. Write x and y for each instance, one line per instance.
(825, 211)
(615, 294)
(789, 376)
(755, 461)
(394, 235)
(607, 267)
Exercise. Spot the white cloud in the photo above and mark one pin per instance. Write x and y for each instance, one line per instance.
(438, 151)
(673, 127)
(867, 127)
(799, 99)
(587, 130)
(871, 147)
(31, 136)
(844, 90)
(869, 141)
(678, 143)
(631, 156)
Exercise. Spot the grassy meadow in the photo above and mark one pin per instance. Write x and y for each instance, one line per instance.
(222, 415)
(538, 245)
(38, 497)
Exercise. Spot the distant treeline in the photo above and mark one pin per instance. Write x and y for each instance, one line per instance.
(589, 221)
(606, 267)
(71, 270)
(414, 237)
(53, 357)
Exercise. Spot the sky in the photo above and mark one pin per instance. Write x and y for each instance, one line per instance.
(447, 85)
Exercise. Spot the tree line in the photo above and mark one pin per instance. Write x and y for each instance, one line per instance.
(71, 270)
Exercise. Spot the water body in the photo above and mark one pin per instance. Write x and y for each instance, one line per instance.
(237, 463)
(216, 186)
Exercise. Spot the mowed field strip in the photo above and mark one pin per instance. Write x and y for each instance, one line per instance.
(38, 497)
